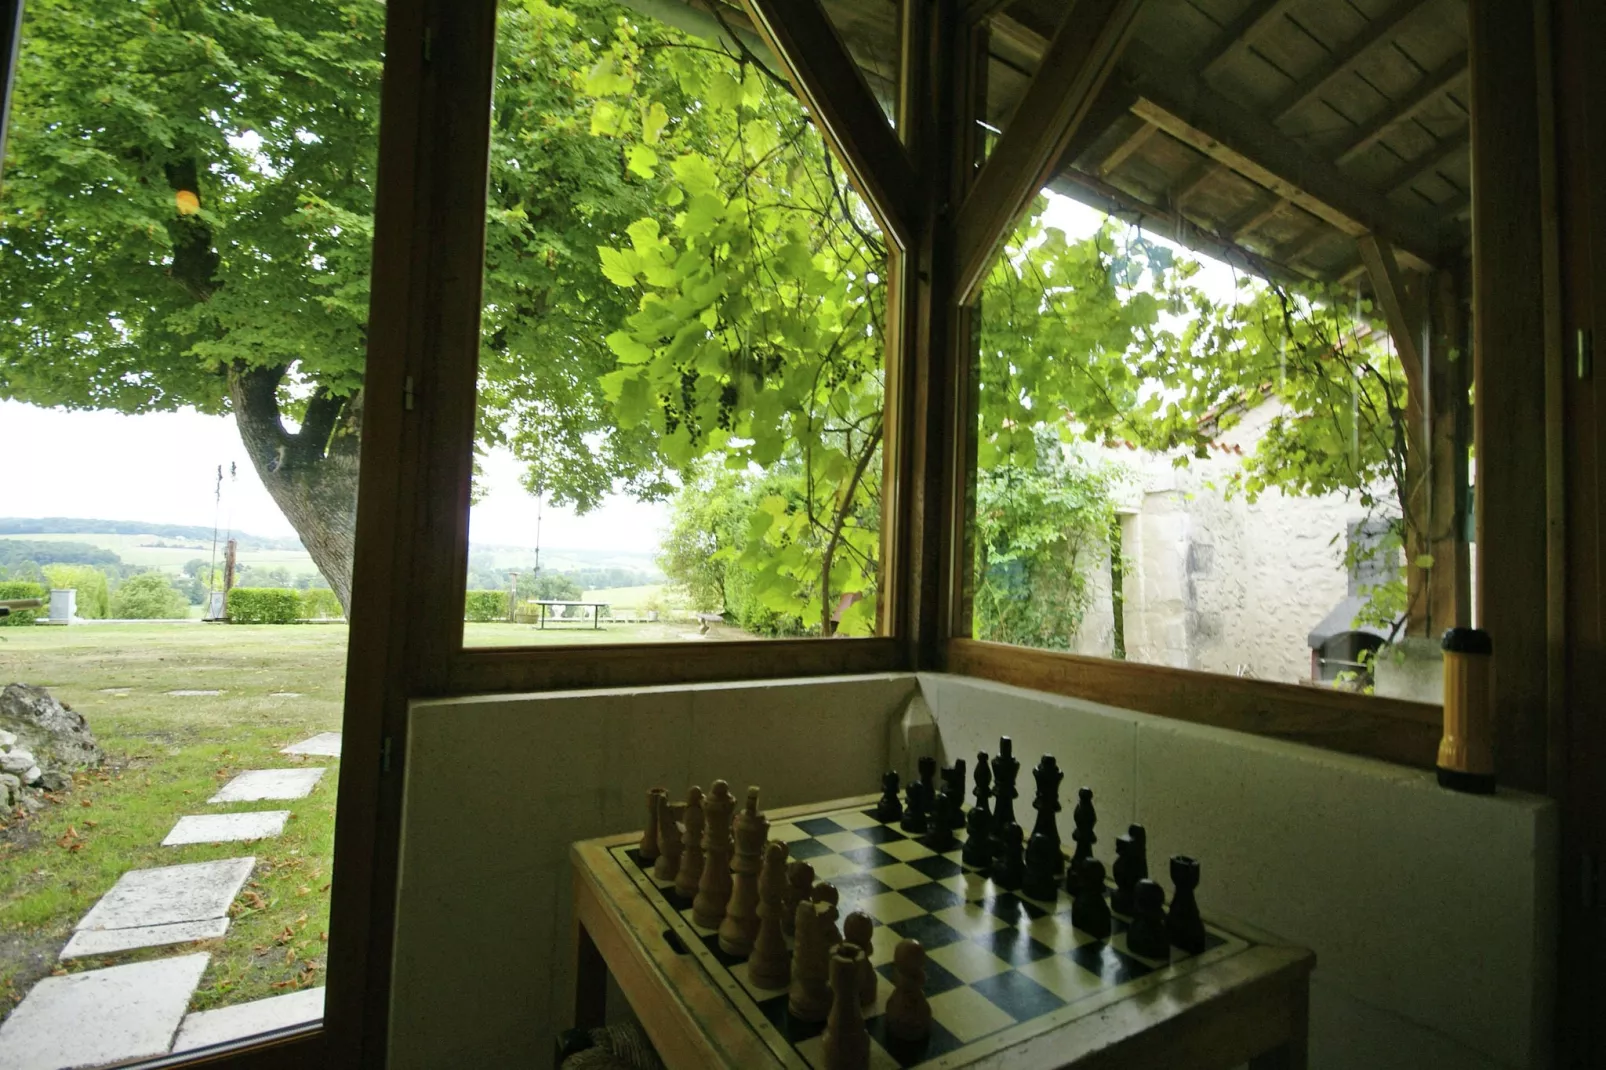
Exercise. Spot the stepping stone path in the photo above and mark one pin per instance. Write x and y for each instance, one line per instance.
(248, 1019)
(227, 828)
(100, 1016)
(197, 891)
(325, 744)
(285, 694)
(190, 694)
(255, 785)
(88, 942)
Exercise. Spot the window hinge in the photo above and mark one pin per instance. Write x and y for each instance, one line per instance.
(384, 756)
(407, 394)
(1586, 353)
(429, 42)
(1589, 880)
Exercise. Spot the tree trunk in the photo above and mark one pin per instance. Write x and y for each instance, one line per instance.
(311, 474)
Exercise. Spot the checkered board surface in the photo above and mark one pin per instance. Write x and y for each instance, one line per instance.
(1000, 967)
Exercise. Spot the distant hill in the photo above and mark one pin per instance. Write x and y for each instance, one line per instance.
(59, 525)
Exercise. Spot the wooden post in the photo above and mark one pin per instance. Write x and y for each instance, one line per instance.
(1449, 597)
(1509, 369)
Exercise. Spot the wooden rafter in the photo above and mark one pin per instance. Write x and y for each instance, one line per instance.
(1242, 31)
(831, 83)
(1388, 284)
(1125, 150)
(1198, 116)
(1192, 181)
(977, 10)
(1377, 34)
(1065, 87)
(1413, 171)
(1271, 210)
(1428, 90)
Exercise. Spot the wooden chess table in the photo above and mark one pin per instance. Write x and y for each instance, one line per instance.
(1011, 982)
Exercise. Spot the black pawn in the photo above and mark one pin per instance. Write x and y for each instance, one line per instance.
(1044, 846)
(920, 798)
(1009, 865)
(939, 825)
(1146, 935)
(1131, 866)
(1005, 770)
(1089, 911)
(889, 809)
(1084, 818)
(979, 822)
(956, 788)
(1184, 927)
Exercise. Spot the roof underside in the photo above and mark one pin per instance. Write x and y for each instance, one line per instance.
(1269, 133)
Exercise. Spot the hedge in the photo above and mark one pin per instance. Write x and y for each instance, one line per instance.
(483, 606)
(320, 603)
(15, 589)
(264, 605)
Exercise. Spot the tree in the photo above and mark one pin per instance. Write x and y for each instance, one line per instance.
(94, 600)
(695, 552)
(148, 596)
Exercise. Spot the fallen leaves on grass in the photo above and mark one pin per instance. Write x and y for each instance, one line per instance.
(70, 840)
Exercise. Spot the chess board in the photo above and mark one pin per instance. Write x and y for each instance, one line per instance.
(1000, 967)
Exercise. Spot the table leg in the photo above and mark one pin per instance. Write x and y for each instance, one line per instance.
(590, 982)
(1293, 1053)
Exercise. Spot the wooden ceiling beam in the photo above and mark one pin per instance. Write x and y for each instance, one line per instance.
(1188, 186)
(1388, 286)
(1271, 210)
(1195, 114)
(977, 10)
(1377, 34)
(1125, 150)
(1241, 32)
(832, 85)
(1065, 88)
(1428, 90)
(1413, 171)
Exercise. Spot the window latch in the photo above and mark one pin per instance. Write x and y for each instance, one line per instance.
(408, 397)
(1586, 354)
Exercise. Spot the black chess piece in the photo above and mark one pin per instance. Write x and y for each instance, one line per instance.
(956, 813)
(1009, 864)
(1045, 841)
(1084, 818)
(1146, 935)
(939, 825)
(890, 808)
(920, 798)
(979, 822)
(1005, 769)
(1131, 866)
(1184, 927)
(1089, 911)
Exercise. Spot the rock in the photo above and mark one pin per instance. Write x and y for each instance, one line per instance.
(58, 738)
(55, 781)
(33, 776)
(6, 739)
(16, 762)
(10, 791)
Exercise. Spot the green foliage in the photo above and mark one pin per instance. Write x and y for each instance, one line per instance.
(263, 605)
(94, 597)
(15, 552)
(15, 589)
(483, 606)
(148, 596)
(1039, 531)
(320, 603)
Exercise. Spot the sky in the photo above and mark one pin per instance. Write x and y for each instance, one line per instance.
(162, 468)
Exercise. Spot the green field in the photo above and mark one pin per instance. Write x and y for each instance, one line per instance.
(142, 551)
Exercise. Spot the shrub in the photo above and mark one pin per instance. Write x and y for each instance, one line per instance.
(94, 598)
(148, 596)
(264, 605)
(483, 606)
(14, 589)
(320, 603)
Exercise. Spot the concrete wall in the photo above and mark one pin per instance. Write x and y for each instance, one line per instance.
(1430, 912)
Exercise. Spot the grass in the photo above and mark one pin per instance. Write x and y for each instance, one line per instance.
(142, 552)
(166, 757)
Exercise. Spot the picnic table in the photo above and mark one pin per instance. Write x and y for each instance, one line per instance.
(596, 611)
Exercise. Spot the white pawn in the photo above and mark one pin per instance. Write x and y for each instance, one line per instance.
(908, 1010)
(740, 927)
(809, 997)
(691, 861)
(770, 965)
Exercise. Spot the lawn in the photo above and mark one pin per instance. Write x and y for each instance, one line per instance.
(166, 757)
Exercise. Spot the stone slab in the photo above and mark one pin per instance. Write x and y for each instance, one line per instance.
(192, 892)
(227, 828)
(205, 1028)
(100, 1016)
(87, 942)
(254, 785)
(191, 693)
(326, 744)
(284, 694)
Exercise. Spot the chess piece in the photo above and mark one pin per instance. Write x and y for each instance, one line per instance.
(846, 1042)
(770, 964)
(809, 996)
(1131, 866)
(919, 798)
(1009, 864)
(649, 839)
(1146, 936)
(978, 823)
(1005, 769)
(1184, 927)
(825, 894)
(799, 883)
(908, 1012)
(890, 808)
(1089, 911)
(1044, 860)
(714, 889)
(954, 783)
(740, 927)
(691, 861)
(940, 826)
(1084, 817)
(857, 929)
(667, 868)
